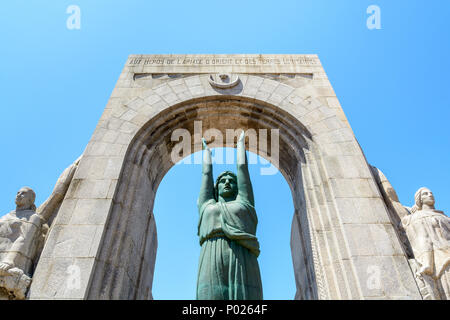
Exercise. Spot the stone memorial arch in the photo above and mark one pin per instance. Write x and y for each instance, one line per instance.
(102, 243)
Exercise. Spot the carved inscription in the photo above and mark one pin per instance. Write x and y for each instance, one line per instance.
(223, 61)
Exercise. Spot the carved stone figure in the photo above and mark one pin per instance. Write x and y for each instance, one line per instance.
(19, 231)
(428, 231)
(228, 267)
(22, 236)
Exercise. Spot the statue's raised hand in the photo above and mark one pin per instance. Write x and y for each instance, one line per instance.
(241, 157)
(207, 188)
(241, 137)
(206, 157)
(205, 145)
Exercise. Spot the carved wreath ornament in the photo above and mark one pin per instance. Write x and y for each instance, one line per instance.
(223, 80)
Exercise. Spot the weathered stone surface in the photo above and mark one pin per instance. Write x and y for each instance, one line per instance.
(110, 200)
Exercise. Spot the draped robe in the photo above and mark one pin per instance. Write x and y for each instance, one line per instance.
(228, 268)
(429, 234)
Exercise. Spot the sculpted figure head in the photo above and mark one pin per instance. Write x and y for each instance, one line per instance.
(226, 186)
(423, 198)
(25, 199)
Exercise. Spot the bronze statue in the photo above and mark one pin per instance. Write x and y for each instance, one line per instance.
(228, 267)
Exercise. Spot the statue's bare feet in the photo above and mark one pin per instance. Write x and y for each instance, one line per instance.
(424, 271)
(4, 267)
(15, 271)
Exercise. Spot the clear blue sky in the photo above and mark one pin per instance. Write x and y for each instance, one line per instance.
(392, 83)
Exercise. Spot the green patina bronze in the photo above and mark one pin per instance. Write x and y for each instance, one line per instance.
(228, 267)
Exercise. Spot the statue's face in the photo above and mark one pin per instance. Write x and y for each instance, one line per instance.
(427, 197)
(227, 186)
(24, 198)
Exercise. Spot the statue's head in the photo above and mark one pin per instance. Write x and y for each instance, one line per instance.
(226, 185)
(423, 196)
(25, 199)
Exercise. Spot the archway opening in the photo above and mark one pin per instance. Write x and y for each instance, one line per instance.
(126, 267)
(176, 218)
